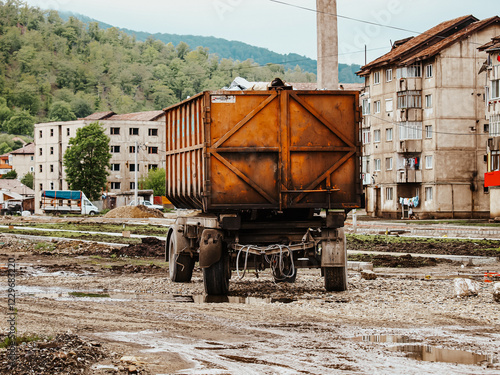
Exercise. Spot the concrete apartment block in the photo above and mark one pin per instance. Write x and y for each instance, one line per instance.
(145, 128)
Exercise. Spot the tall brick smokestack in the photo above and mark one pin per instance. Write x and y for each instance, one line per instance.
(328, 60)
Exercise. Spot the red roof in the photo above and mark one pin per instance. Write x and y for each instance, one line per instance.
(29, 149)
(99, 115)
(405, 50)
(138, 116)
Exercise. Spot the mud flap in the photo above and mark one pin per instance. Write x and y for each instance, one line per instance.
(210, 247)
(333, 249)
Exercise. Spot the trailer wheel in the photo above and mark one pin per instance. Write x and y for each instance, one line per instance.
(180, 265)
(335, 279)
(216, 277)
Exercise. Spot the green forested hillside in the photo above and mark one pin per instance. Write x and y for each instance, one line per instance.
(233, 50)
(53, 69)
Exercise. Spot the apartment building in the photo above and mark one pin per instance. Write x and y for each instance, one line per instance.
(424, 128)
(492, 176)
(22, 160)
(140, 133)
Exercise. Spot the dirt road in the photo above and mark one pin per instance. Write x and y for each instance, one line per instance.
(263, 327)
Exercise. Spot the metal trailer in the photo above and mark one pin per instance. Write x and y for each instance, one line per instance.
(272, 173)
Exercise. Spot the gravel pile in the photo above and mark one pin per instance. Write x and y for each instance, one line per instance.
(135, 212)
(65, 354)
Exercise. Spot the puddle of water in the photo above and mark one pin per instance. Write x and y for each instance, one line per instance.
(231, 299)
(428, 353)
(384, 338)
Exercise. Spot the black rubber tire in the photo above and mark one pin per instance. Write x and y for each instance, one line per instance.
(335, 279)
(216, 277)
(181, 265)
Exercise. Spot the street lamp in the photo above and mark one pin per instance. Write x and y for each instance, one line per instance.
(136, 185)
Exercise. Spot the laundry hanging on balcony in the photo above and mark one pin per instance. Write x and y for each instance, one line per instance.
(410, 202)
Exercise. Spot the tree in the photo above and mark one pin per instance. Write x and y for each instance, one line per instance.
(86, 161)
(28, 180)
(155, 180)
(21, 122)
(12, 175)
(61, 111)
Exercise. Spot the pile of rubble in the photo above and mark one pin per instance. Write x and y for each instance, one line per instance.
(134, 212)
(150, 247)
(64, 354)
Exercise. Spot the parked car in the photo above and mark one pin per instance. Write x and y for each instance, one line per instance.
(148, 204)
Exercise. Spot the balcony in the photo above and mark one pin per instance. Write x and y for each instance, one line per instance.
(367, 178)
(409, 176)
(410, 146)
(413, 83)
(409, 114)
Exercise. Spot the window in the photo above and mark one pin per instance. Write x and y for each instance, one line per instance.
(51, 186)
(414, 70)
(388, 134)
(68, 132)
(376, 136)
(132, 167)
(32, 158)
(410, 130)
(52, 150)
(410, 99)
(40, 151)
(376, 78)
(388, 194)
(388, 164)
(114, 131)
(115, 167)
(40, 167)
(495, 89)
(115, 185)
(428, 101)
(377, 106)
(377, 165)
(428, 194)
(388, 105)
(51, 132)
(132, 186)
(366, 106)
(41, 186)
(115, 149)
(134, 131)
(32, 169)
(131, 149)
(495, 160)
(365, 168)
(366, 135)
(52, 168)
(152, 166)
(494, 125)
(428, 71)
(428, 162)
(152, 150)
(40, 134)
(428, 131)
(388, 75)
(153, 132)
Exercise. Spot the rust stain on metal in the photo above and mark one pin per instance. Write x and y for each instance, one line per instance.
(264, 150)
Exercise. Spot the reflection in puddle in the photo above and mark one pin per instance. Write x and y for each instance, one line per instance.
(428, 353)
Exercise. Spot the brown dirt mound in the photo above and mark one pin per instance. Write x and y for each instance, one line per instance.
(134, 212)
(150, 247)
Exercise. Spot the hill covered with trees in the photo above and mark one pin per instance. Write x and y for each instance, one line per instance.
(63, 70)
(231, 49)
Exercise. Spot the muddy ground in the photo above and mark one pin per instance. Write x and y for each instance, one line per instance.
(130, 318)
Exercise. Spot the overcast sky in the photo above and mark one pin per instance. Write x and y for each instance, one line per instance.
(279, 27)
